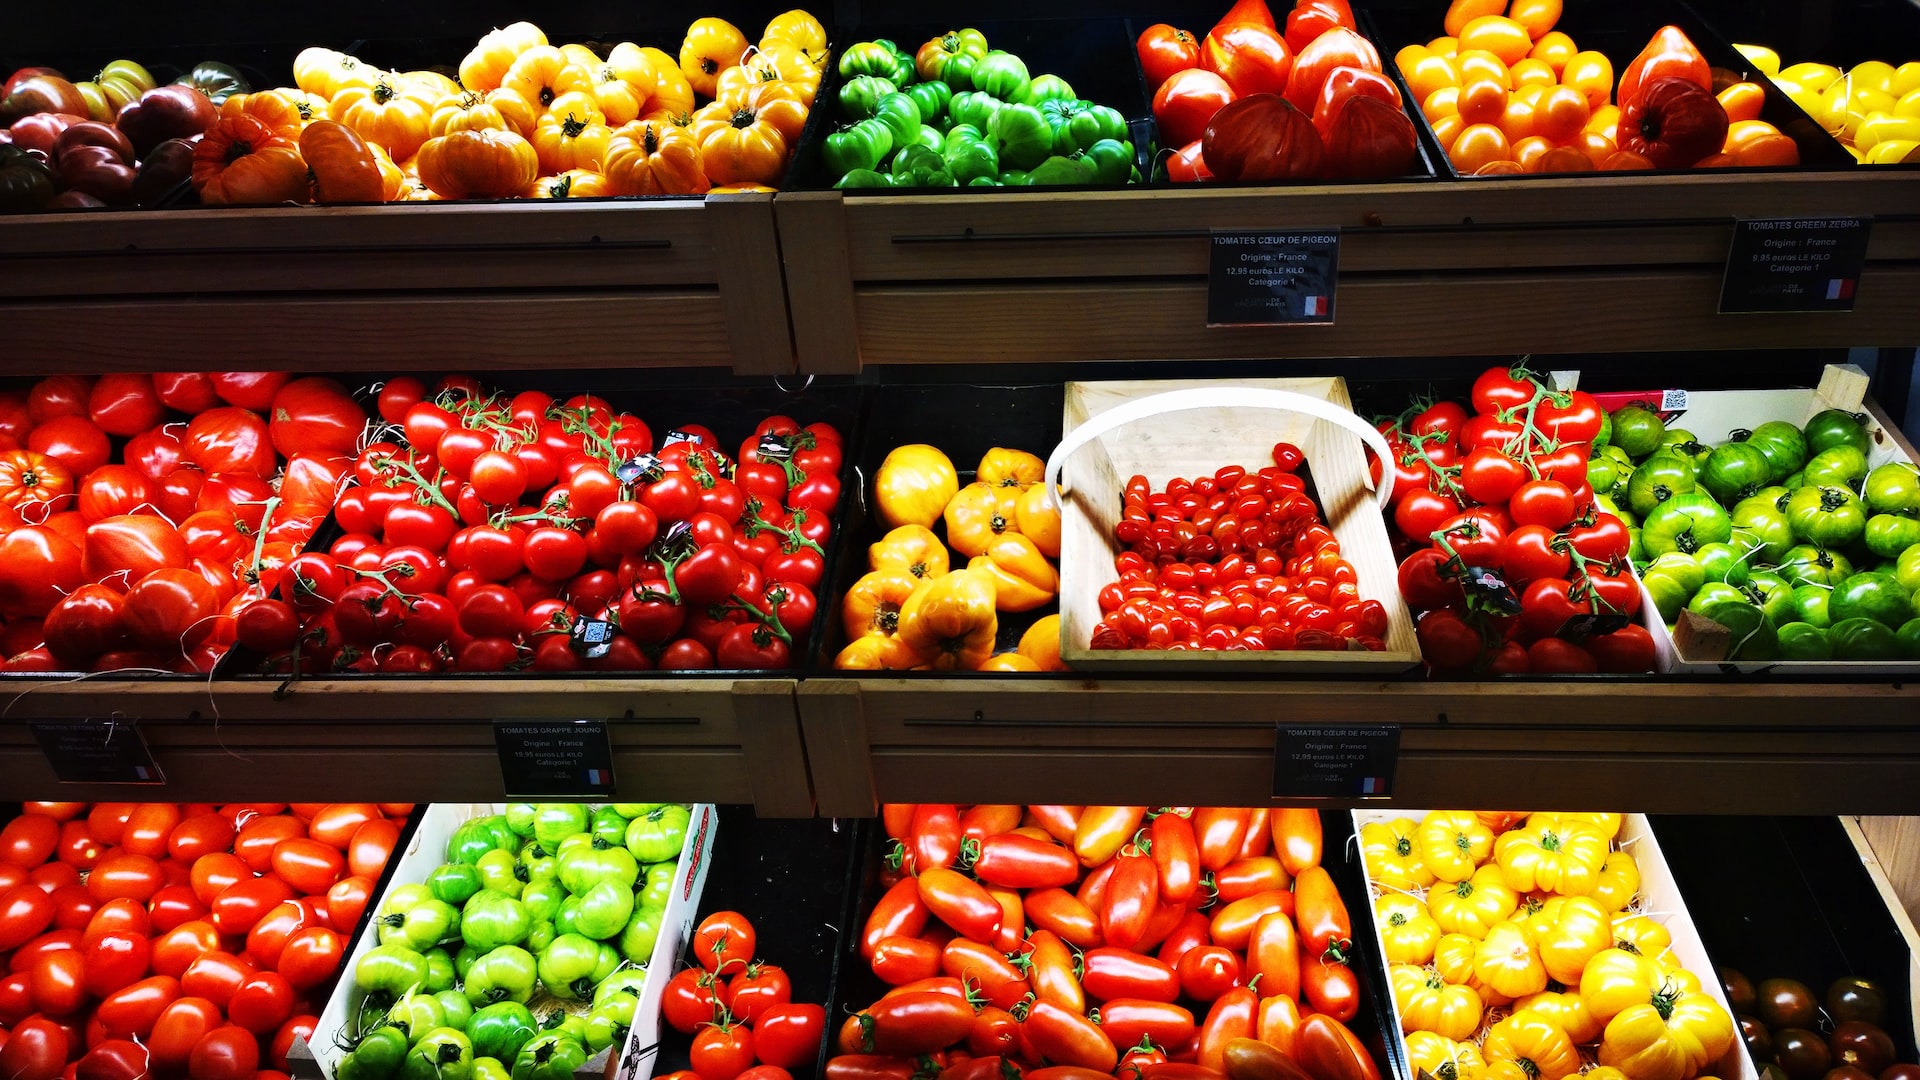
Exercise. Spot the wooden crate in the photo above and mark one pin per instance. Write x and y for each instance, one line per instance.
(484, 286)
(714, 739)
(1195, 441)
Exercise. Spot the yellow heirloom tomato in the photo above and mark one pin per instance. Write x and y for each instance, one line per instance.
(1552, 853)
(1391, 859)
(1669, 1038)
(978, 514)
(1041, 644)
(1443, 1058)
(1507, 961)
(1023, 578)
(1566, 1009)
(914, 485)
(951, 621)
(912, 548)
(1619, 882)
(1534, 1043)
(1003, 468)
(1474, 906)
(1453, 843)
(1407, 933)
(872, 605)
(1428, 1002)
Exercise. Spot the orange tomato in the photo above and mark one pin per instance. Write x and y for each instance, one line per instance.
(1530, 72)
(1535, 16)
(1477, 145)
(1554, 49)
(1481, 64)
(1447, 45)
(1442, 102)
(1626, 161)
(1717, 161)
(1530, 95)
(1563, 114)
(1517, 121)
(1768, 150)
(1528, 152)
(1591, 73)
(1742, 101)
(1409, 56)
(1498, 35)
(1742, 132)
(1482, 101)
(1462, 12)
(1431, 73)
(1604, 120)
(1499, 168)
(1598, 148)
(1565, 159)
(1447, 129)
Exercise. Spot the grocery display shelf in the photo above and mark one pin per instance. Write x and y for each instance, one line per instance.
(1619, 262)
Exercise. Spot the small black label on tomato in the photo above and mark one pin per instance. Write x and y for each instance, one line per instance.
(644, 468)
(1592, 624)
(98, 752)
(1335, 762)
(554, 759)
(774, 448)
(591, 638)
(1491, 590)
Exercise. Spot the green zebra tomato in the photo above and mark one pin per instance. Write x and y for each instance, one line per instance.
(393, 968)
(1838, 466)
(538, 861)
(519, 817)
(541, 934)
(662, 878)
(542, 898)
(604, 910)
(1833, 428)
(607, 1023)
(554, 822)
(1894, 488)
(503, 872)
(454, 883)
(477, 837)
(1888, 535)
(441, 973)
(608, 824)
(1637, 430)
(1806, 564)
(377, 1056)
(1830, 517)
(1685, 522)
(1682, 567)
(1734, 471)
(1803, 641)
(1714, 592)
(860, 97)
(501, 1029)
(1687, 445)
(1773, 593)
(1811, 605)
(503, 974)
(486, 1068)
(658, 835)
(1658, 479)
(1871, 594)
(1759, 520)
(492, 919)
(416, 1014)
(445, 1054)
(1863, 639)
(641, 932)
(558, 1022)
(1669, 595)
(424, 925)
(1002, 75)
(609, 962)
(1782, 444)
(456, 1007)
(549, 1056)
(1906, 570)
(1753, 636)
(1615, 504)
(625, 984)
(402, 898)
(1724, 562)
(463, 959)
(566, 967)
(586, 865)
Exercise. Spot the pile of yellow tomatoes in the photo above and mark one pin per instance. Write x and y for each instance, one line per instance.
(1873, 108)
(1485, 914)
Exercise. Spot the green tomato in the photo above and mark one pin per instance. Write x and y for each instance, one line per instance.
(1833, 428)
(626, 984)
(974, 109)
(607, 1024)
(1801, 641)
(1888, 535)
(609, 962)
(463, 959)
(1112, 161)
(1811, 605)
(868, 58)
(487, 1068)
(1774, 594)
(1908, 638)
(477, 837)
(566, 967)
(1734, 471)
(1839, 466)
(1637, 430)
(453, 883)
(519, 817)
(1059, 171)
(1714, 592)
(1782, 444)
(492, 919)
(585, 866)
(541, 934)
(860, 97)
(1906, 569)
(1045, 88)
(1871, 594)
(658, 835)
(393, 968)
(661, 880)
(542, 896)
(929, 137)
(1894, 488)
(539, 863)
(424, 925)
(604, 910)
(558, 1022)
(607, 824)
(554, 822)
(377, 1056)
(441, 973)
(503, 872)
(641, 932)
(631, 810)
(1753, 635)
(503, 974)
(1761, 522)
(501, 1029)
(1810, 565)
(1603, 437)
(445, 1054)
(1724, 562)
(1863, 639)
(567, 920)
(932, 98)
(862, 178)
(900, 114)
(1685, 522)
(551, 1055)
(416, 1014)
(1020, 136)
(1682, 567)
(1614, 503)
(456, 1007)
(970, 159)
(860, 147)
(1686, 444)
(1669, 595)
(1658, 479)
(1830, 517)
(1001, 74)
(1604, 474)
(1636, 551)
(402, 898)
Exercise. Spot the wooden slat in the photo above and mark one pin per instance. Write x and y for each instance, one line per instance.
(1895, 845)
(1379, 315)
(838, 757)
(371, 332)
(813, 244)
(776, 758)
(752, 283)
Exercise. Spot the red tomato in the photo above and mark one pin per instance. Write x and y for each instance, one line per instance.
(215, 976)
(175, 950)
(28, 840)
(180, 1027)
(37, 1050)
(262, 1003)
(243, 904)
(1187, 101)
(115, 959)
(317, 415)
(148, 829)
(174, 906)
(269, 936)
(231, 440)
(113, 1059)
(724, 940)
(259, 837)
(249, 389)
(722, 1053)
(311, 956)
(372, 846)
(211, 874)
(225, 1053)
(309, 866)
(57, 982)
(1252, 58)
(789, 1035)
(133, 1010)
(185, 391)
(119, 874)
(74, 441)
(1164, 50)
(125, 404)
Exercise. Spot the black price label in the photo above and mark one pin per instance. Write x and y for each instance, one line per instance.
(1794, 264)
(591, 638)
(1491, 589)
(98, 752)
(551, 759)
(1593, 624)
(1335, 762)
(1272, 278)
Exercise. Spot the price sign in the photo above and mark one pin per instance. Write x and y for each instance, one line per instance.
(98, 752)
(552, 759)
(1794, 264)
(1335, 762)
(1272, 278)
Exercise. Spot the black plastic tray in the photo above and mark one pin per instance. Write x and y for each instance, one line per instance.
(1787, 897)
(1620, 30)
(796, 881)
(857, 986)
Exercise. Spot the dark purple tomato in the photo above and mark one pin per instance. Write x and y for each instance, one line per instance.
(1785, 1003)
(1861, 1045)
(1739, 989)
(1801, 1052)
(1759, 1039)
(1846, 1072)
(1853, 998)
(1902, 1071)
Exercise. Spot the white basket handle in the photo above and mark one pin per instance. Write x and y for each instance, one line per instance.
(1213, 397)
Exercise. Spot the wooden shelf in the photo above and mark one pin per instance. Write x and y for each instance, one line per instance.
(1619, 263)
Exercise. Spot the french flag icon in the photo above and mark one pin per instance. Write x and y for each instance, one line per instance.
(596, 776)
(1317, 305)
(1840, 289)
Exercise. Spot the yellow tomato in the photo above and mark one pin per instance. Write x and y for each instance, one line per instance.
(1815, 77)
(1407, 933)
(1482, 64)
(1041, 644)
(1535, 16)
(1429, 1003)
(1392, 862)
(1873, 74)
(914, 485)
(1591, 73)
(1507, 960)
(1431, 74)
(1906, 78)
(1531, 71)
(1892, 152)
(1555, 48)
(1479, 144)
(1908, 105)
(1762, 58)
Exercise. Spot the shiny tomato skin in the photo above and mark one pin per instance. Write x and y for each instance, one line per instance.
(225, 1053)
(311, 957)
(243, 904)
